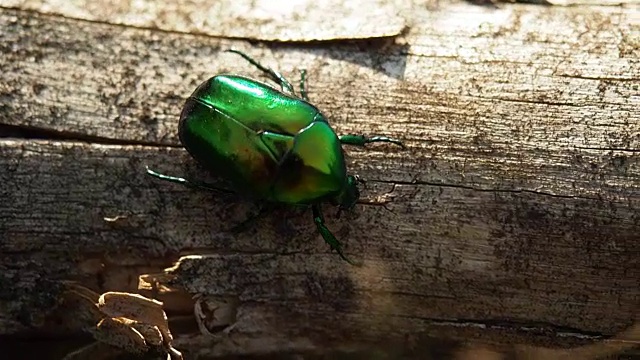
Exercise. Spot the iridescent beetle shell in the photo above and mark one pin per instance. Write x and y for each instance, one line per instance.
(268, 144)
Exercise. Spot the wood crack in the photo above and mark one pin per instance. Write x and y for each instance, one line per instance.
(467, 187)
(37, 133)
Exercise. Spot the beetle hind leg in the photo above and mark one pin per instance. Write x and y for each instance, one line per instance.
(362, 140)
(251, 219)
(328, 237)
(274, 75)
(303, 85)
(188, 183)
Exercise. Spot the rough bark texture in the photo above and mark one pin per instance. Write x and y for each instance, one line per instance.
(514, 212)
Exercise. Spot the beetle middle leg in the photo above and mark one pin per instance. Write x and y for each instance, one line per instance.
(274, 75)
(362, 140)
(328, 237)
(194, 184)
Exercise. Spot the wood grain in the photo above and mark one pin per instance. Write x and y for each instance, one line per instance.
(514, 212)
(255, 20)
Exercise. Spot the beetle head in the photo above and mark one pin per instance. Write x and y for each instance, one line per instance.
(350, 195)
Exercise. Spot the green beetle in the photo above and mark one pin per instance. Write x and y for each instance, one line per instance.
(269, 145)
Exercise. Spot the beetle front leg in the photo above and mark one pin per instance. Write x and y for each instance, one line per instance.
(361, 140)
(188, 183)
(328, 237)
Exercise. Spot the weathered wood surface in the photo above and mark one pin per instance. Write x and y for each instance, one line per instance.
(248, 19)
(515, 209)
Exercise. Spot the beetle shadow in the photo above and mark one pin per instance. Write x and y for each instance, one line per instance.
(384, 55)
(246, 216)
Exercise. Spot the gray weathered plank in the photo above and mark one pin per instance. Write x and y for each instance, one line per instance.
(515, 206)
(443, 254)
(256, 20)
(483, 106)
